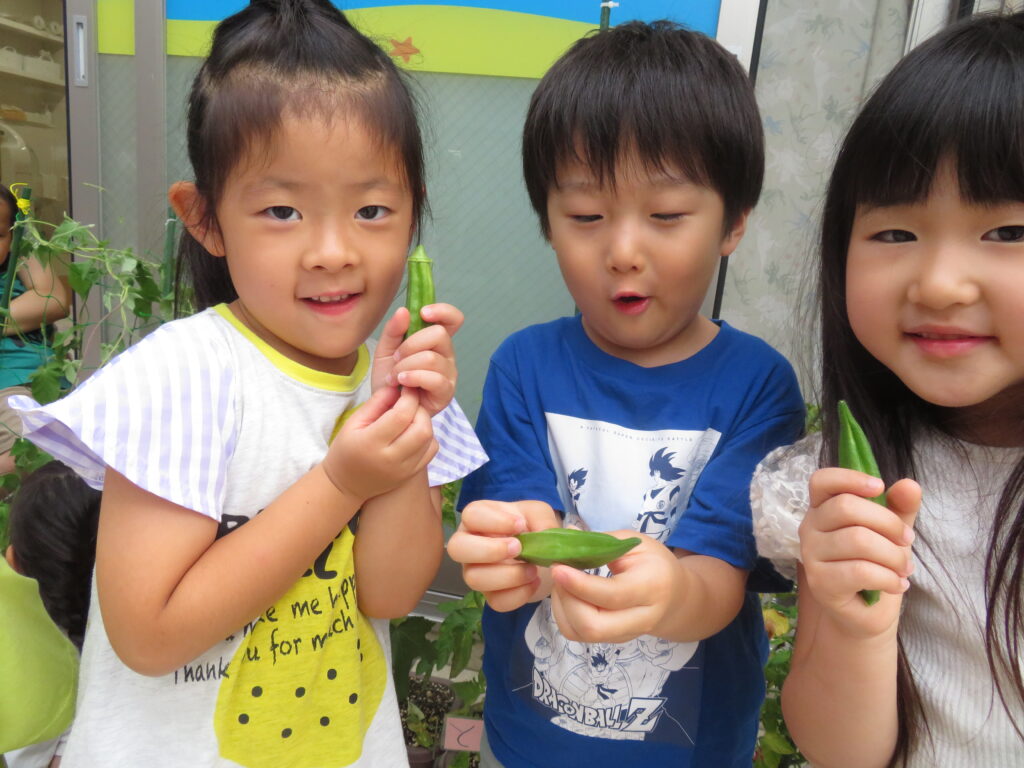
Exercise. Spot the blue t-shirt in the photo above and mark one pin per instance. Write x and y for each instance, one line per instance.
(668, 451)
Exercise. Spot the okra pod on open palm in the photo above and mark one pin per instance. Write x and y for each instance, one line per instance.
(855, 453)
(568, 546)
(419, 289)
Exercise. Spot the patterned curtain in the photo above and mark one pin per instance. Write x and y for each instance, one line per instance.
(818, 62)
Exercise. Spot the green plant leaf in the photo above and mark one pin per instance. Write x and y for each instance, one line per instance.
(47, 381)
(777, 743)
(408, 643)
(82, 276)
(27, 457)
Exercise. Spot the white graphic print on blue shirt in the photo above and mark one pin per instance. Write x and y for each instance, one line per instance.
(613, 478)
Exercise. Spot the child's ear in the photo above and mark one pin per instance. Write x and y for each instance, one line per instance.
(190, 207)
(735, 234)
(9, 557)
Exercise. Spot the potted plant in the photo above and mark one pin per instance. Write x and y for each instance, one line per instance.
(421, 647)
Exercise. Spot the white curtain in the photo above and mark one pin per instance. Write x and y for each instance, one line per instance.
(818, 61)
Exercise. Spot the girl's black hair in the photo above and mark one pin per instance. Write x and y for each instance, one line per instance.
(12, 204)
(53, 520)
(957, 98)
(299, 56)
(675, 96)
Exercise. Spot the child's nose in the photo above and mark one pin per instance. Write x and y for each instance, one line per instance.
(944, 278)
(625, 251)
(330, 250)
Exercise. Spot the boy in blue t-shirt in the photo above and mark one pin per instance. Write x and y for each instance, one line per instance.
(643, 156)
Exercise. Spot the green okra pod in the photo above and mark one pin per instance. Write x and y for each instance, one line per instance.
(419, 289)
(568, 546)
(855, 453)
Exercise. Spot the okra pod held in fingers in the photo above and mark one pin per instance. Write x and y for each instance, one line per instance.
(855, 453)
(419, 289)
(568, 546)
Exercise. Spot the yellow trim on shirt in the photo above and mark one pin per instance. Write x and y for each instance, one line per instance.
(321, 379)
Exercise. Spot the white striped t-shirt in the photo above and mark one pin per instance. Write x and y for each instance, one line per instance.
(206, 415)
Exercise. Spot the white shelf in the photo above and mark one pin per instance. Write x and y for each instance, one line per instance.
(47, 81)
(29, 31)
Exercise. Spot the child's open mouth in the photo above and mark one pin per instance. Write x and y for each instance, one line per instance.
(631, 304)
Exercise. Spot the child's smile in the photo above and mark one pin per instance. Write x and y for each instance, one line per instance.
(316, 236)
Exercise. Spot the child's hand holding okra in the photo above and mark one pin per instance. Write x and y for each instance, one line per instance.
(415, 347)
(488, 549)
(850, 543)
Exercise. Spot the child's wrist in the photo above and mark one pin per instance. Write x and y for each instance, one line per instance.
(338, 486)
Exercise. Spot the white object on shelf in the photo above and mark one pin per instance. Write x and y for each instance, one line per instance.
(43, 66)
(10, 58)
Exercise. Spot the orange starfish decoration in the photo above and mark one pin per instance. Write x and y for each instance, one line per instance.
(405, 49)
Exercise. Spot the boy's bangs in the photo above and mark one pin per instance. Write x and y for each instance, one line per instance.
(969, 109)
(591, 135)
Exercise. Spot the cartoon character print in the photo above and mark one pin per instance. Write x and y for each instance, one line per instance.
(595, 689)
(575, 482)
(308, 677)
(661, 506)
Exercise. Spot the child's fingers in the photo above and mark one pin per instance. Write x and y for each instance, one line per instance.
(418, 433)
(904, 498)
(392, 334)
(612, 594)
(857, 543)
(503, 600)
(445, 315)
(843, 580)
(848, 511)
(378, 404)
(429, 348)
(584, 622)
(833, 481)
(439, 385)
(465, 547)
(499, 577)
(493, 518)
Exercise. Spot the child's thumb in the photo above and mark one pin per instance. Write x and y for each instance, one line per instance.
(392, 334)
(379, 403)
(904, 498)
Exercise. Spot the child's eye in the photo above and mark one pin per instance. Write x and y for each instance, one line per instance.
(282, 213)
(1011, 234)
(667, 216)
(372, 212)
(895, 236)
(585, 218)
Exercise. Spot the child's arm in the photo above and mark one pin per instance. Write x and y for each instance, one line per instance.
(47, 296)
(654, 590)
(486, 546)
(400, 540)
(840, 697)
(169, 590)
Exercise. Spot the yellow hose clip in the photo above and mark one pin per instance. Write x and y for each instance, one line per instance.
(24, 204)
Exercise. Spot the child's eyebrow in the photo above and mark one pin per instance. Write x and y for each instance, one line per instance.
(296, 185)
